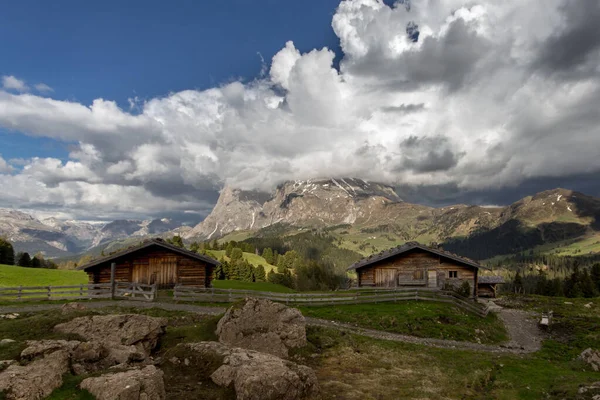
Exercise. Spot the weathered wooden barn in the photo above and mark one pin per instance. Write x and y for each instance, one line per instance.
(487, 286)
(154, 262)
(416, 265)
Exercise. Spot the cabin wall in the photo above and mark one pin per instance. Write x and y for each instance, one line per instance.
(417, 269)
(159, 266)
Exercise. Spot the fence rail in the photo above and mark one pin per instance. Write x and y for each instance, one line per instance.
(211, 295)
(73, 292)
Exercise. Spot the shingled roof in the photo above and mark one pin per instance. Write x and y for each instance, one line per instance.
(408, 247)
(145, 244)
(491, 279)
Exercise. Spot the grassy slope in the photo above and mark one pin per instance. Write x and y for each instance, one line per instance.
(423, 319)
(18, 276)
(252, 258)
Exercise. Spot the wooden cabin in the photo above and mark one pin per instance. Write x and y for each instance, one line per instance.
(416, 265)
(154, 261)
(487, 286)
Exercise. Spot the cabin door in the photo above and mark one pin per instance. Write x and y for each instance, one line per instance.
(385, 277)
(432, 278)
(162, 271)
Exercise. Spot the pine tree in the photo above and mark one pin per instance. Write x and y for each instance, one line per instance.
(7, 252)
(595, 275)
(35, 262)
(260, 274)
(518, 283)
(195, 246)
(177, 241)
(268, 255)
(24, 260)
(229, 249)
(236, 255)
(588, 288)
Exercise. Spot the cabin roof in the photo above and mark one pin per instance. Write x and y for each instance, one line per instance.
(491, 279)
(146, 244)
(372, 259)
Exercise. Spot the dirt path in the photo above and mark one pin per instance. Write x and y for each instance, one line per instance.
(522, 327)
(518, 326)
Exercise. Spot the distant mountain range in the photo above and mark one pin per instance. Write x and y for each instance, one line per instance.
(362, 216)
(58, 238)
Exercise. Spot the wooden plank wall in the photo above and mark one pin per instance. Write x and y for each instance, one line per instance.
(159, 266)
(401, 268)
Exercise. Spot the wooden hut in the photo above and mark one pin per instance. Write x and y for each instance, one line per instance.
(154, 262)
(488, 285)
(416, 265)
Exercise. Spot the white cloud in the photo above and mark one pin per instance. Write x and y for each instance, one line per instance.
(5, 168)
(476, 101)
(10, 82)
(43, 88)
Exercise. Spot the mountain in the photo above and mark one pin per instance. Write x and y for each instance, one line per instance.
(57, 238)
(368, 216)
(315, 203)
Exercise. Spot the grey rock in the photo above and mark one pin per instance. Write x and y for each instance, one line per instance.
(255, 375)
(591, 357)
(41, 348)
(263, 325)
(35, 380)
(136, 384)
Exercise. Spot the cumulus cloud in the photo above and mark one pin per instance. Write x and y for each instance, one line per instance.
(5, 167)
(477, 96)
(10, 82)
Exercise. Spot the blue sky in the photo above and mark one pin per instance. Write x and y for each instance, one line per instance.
(450, 100)
(118, 50)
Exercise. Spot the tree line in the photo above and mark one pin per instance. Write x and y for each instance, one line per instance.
(22, 259)
(581, 282)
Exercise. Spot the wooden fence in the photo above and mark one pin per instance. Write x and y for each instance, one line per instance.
(361, 296)
(121, 290)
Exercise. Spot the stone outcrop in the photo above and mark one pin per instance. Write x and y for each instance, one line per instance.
(136, 330)
(254, 375)
(37, 379)
(263, 325)
(592, 358)
(40, 348)
(69, 308)
(136, 384)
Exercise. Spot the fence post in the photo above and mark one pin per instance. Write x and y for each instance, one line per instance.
(229, 296)
(20, 290)
(154, 292)
(81, 291)
(49, 292)
(113, 267)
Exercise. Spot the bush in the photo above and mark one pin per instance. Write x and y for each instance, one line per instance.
(464, 290)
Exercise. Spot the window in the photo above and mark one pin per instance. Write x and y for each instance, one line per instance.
(453, 274)
(418, 275)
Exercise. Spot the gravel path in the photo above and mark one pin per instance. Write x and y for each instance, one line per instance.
(525, 337)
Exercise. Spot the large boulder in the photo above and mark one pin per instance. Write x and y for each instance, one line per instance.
(136, 384)
(254, 375)
(264, 326)
(136, 330)
(592, 358)
(35, 380)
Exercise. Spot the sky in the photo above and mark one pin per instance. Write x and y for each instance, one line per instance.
(144, 108)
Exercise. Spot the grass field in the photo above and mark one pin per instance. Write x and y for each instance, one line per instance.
(423, 319)
(351, 367)
(18, 276)
(252, 258)
(258, 286)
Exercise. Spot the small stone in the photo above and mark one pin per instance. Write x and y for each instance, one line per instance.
(6, 341)
(588, 305)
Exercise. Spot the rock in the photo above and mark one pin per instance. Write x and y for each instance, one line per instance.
(567, 302)
(588, 305)
(263, 325)
(35, 380)
(142, 384)
(6, 363)
(68, 308)
(6, 341)
(40, 348)
(255, 375)
(9, 316)
(140, 331)
(589, 392)
(592, 358)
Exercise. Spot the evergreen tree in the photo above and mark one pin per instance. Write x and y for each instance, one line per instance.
(268, 255)
(7, 252)
(518, 283)
(176, 241)
(35, 262)
(260, 274)
(595, 275)
(228, 249)
(236, 255)
(24, 260)
(215, 245)
(195, 246)
(219, 273)
(588, 288)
